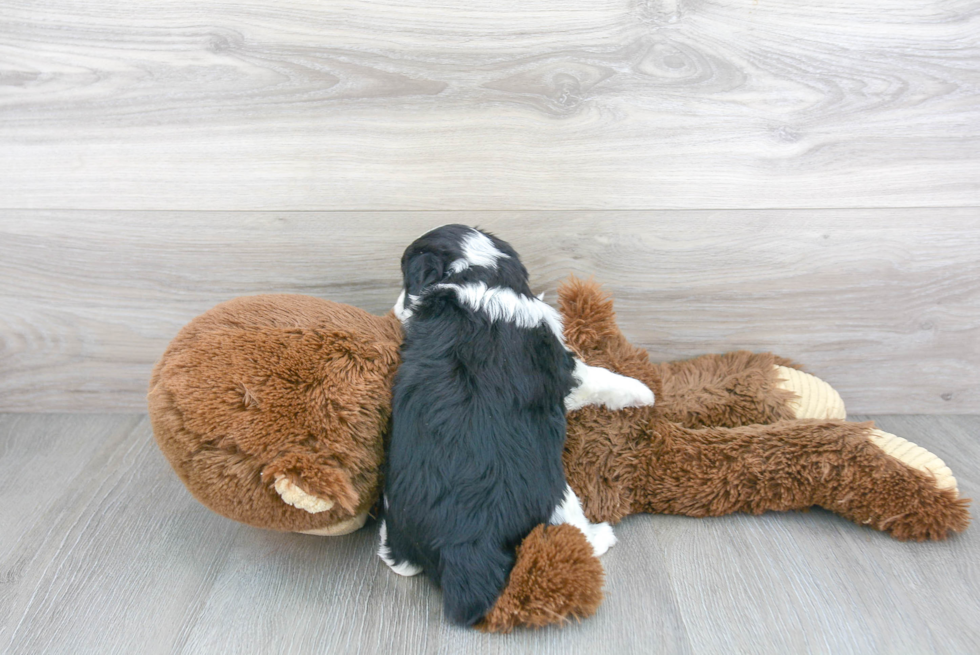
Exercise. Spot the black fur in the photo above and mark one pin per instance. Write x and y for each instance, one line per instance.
(478, 428)
(428, 259)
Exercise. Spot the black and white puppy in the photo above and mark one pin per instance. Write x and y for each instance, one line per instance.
(478, 419)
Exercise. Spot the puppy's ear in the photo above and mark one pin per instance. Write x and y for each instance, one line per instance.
(423, 270)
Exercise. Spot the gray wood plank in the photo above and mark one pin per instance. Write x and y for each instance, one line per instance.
(883, 304)
(112, 555)
(820, 584)
(538, 104)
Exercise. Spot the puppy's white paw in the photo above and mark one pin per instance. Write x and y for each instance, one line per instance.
(293, 495)
(629, 393)
(599, 386)
(599, 535)
(405, 568)
(601, 538)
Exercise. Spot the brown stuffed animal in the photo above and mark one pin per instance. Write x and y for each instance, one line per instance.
(273, 411)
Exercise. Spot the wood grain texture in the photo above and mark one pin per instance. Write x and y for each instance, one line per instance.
(538, 104)
(104, 551)
(883, 304)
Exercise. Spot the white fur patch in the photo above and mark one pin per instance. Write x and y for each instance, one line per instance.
(502, 304)
(406, 568)
(403, 313)
(599, 535)
(478, 250)
(598, 386)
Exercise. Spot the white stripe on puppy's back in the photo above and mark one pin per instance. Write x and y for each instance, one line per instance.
(478, 250)
(503, 304)
(403, 313)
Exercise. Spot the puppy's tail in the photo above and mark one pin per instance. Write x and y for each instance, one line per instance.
(472, 577)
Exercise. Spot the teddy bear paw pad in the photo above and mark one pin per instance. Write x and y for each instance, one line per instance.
(293, 495)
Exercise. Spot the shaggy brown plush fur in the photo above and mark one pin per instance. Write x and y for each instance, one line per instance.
(730, 390)
(556, 577)
(784, 466)
(641, 460)
(278, 385)
(297, 386)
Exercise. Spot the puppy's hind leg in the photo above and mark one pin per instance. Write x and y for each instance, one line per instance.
(599, 535)
(403, 567)
(472, 577)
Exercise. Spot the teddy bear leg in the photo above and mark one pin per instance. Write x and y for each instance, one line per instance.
(865, 475)
(898, 487)
(743, 388)
(812, 397)
(556, 578)
(915, 456)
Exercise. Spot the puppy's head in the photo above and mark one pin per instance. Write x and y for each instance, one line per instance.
(458, 254)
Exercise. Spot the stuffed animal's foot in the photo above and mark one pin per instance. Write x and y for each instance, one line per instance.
(814, 398)
(915, 456)
(292, 494)
(852, 469)
(556, 578)
(901, 488)
(599, 535)
(599, 386)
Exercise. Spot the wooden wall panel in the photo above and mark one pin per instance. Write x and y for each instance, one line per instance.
(530, 104)
(884, 304)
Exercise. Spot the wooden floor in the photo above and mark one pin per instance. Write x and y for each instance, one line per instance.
(102, 550)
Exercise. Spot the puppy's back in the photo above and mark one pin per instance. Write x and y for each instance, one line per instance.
(477, 437)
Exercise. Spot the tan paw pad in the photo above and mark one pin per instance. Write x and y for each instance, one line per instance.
(915, 456)
(293, 495)
(814, 397)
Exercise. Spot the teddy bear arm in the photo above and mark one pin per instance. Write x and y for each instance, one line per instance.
(738, 388)
(851, 469)
(592, 333)
(306, 482)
